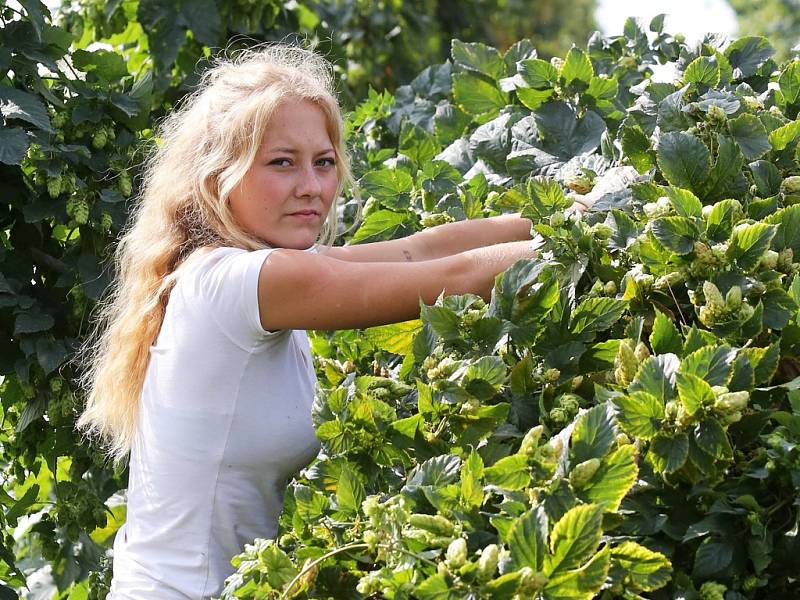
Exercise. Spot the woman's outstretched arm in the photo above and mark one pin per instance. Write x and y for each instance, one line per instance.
(438, 242)
(300, 290)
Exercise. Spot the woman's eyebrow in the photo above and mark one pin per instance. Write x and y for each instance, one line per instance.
(288, 150)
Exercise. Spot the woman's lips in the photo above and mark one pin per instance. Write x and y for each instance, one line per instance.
(307, 215)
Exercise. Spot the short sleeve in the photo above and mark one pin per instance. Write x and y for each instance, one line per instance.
(224, 287)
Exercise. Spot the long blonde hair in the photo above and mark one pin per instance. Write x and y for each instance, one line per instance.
(206, 147)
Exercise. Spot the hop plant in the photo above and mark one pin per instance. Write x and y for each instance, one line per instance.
(78, 209)
(711, 590)
(54, 186)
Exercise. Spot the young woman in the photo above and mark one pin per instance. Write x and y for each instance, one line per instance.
(200, 373)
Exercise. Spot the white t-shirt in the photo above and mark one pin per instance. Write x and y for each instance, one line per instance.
(225, 419)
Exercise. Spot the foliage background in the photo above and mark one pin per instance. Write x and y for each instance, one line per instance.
(79, 94)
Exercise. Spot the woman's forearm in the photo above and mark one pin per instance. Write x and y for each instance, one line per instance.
(453, 238)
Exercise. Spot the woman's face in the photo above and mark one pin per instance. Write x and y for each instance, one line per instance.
(284, 197)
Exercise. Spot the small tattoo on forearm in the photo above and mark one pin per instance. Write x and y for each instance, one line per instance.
(407, 254)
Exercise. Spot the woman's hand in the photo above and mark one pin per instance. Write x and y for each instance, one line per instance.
(302, 290)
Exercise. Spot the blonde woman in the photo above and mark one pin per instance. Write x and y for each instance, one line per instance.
(201, 375)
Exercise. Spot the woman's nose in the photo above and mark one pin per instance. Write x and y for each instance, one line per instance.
(308, 184)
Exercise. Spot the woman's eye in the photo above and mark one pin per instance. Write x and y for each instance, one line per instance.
(281, 162)
(327, 162)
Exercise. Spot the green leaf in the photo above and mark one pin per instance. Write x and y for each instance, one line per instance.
(678, 234)
(538, 74)
(637, 148)
(703, 70)
(711, 438)
(614, 479)
(387, 184)
(766, 176)
(726, 173)
(789, 82)
(532, 98)
(665, 337)
(788, 233)
(574, 538)
(764, 361)
(381, 225)
(32, 322)
(349, 491)
(479, 58)
(565, 133)
(419, 145)
(397, 338)
(642, 569)
(656, 376)
(594, 433)
(17, 104)
(444, 321)
(203, 19)
(510, 472)
(13, 145)
(640, 414)
(476, 96)
(719, 223)
(747, 54)
(471, 480)
(671, 116)
(784, 135)
(576, 68)
(624, 230)
(106, 64)
(434, 587)
(596, 314)
(528, 539)
(668, 453)
(685, 203)
(22, 504)
(749, 243)
(779, 308)
(711, 558)
(683, 159)
(693, 392)
(713, 364)
(437, 471)
(749, 132)
(580, 584)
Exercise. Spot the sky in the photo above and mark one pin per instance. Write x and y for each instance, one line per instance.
(693, 18)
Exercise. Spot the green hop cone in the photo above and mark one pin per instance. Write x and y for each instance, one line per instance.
(713, 296)
(125, 184)
(601, 231)
(436, 524)
(487, 563)
(530, 582)
(435, 219)
(733, 299)
(531, 441)
(582, 473)
(99, 139)
(78, 209)
(732, 401)
(626, 364)
(557, 219)
(769, 260)
(106, 221)
(791, 185)
(610, 288)
(580, 184)
(456, 554)
(641, 352)
(54, 186)
(716, 114)
(711, 590)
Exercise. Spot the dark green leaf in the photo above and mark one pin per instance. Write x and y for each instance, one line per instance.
(693, 392)
(596, 314)
(565, 133)
(528, 539)
(106, 64)
(725, 175)
(202, 18)
(479, 58)
(720, 221)
(751, 135)
(703, 70)
(538, 74)
(668, 453)
(747, 54)
(779, 308)
(749, 243)
(713, 364)
(437, 471)
(683, 159)
(32, 322)
(679, 234)
(13, 145)
(17, 104)
(685, 203)
(767, 177)
(711, 558)
(594, 433)
(712, 439)
(665, 337)
(671, 116)
(788, 233)
(656, 376)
